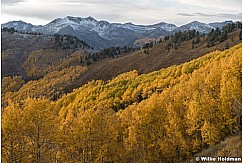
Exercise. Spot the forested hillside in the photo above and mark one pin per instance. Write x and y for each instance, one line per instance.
(56, 65)
(163, 116)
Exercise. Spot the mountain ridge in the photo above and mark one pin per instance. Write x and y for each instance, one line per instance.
(103, 34)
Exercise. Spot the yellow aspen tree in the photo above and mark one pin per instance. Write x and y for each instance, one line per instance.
(231, 95)
(40, 128)
(146, 131)
(13, 142)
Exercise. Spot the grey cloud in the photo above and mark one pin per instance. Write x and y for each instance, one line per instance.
(217, 15)
(204, 15)
(11, 2)
(95, 2)
(45, 14)
(62, 8)
(221, 15)
(231, 16)
(48, 13)
(185, 14)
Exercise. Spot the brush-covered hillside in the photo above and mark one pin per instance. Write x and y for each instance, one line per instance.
(159, 55)
(32, 56)
(163, 116)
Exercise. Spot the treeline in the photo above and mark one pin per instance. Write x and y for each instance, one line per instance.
(218, 35)
(64, 41)
(175, 40)
(213, 37)
(112, 52)
(71, 42)
(12, 30)
(164, 116)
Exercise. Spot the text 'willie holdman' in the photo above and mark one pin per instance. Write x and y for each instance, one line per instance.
(219, 159)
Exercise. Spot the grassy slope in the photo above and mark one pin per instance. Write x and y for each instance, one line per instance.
(230, 147)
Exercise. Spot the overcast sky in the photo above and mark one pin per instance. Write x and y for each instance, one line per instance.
(179, 12)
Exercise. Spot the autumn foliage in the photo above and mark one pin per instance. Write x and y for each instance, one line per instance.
(164, 116)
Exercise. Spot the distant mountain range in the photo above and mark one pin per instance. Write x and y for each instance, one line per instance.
(102, 34)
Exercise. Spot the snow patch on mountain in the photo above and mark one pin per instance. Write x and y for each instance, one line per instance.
(105, 33)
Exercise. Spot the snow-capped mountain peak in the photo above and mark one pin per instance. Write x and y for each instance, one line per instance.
(101, 34)
(165, 26)
(198, 26)
(18, 25)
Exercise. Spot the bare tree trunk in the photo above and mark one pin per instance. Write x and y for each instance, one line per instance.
(11, 152)
(38, 154)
